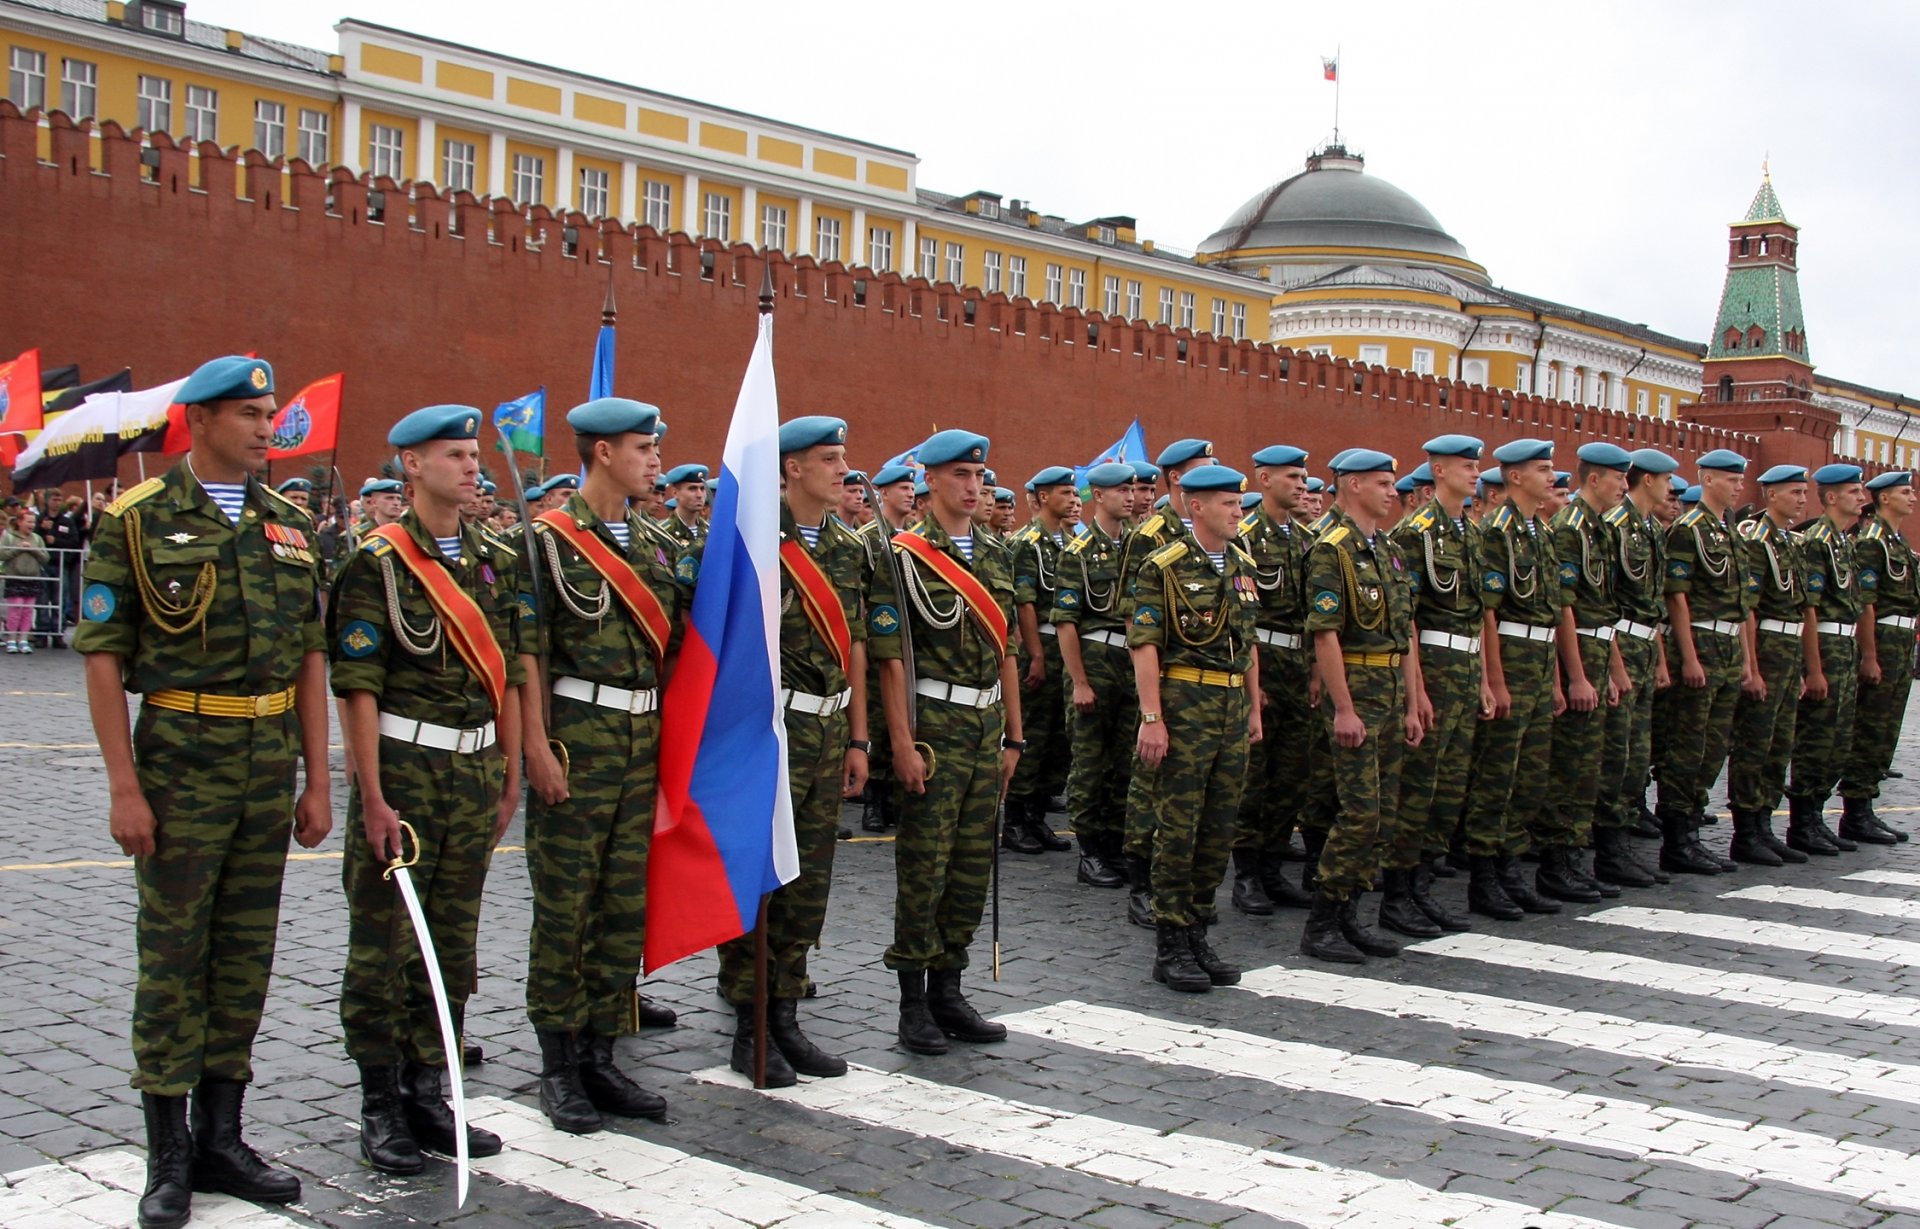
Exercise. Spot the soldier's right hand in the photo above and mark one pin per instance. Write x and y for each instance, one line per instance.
(1151, 744)
(911, 769)
(1693, 674)
(131, 821)
(382, 826)
(545, 775)
(1348, 729)
(1815, 687)
(1083, 698)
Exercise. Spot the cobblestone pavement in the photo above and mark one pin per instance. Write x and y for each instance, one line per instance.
(1739, 1051)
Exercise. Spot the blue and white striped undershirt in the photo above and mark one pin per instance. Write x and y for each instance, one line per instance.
(1219, 561)
(231, 496)
(965, 543)
(812, 534)
(621, 531)
(450, 547)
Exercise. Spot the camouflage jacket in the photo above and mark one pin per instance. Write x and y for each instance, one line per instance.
(1886, 569)
(1278, 550)
(1707, 562)
(1442, 555)
(1776, 583)
(1198, 615)
(1360, 588)
(1584, 543)
(583, 627)
(1520, 569)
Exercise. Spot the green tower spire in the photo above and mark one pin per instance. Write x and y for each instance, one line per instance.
(1760, 314)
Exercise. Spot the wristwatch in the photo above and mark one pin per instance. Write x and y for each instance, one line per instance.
(863, 745)
(1149, 718)
(1013, 744)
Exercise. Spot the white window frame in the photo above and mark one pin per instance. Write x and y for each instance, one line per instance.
(956, 264)
(880, 248)
(1016, 277)
(826, 238)
(1666, 405)
(203, 113)
(1422, 364)
(594, 196)
(1134, 293)
(1077, 288)
(716, 216)
(990, 280)
(1373, 355)
(1166, 305)
(27, 77)
(989, 208)
(386, 150)
(1218, 317)
(79, 87)
(1055, 278)
(528, 185)
(929, 258)
(459, 160)
(657, 204)
(316, 137)
(1186, 309)
(162, 19)
(1640, 401)
(773, 227)
(1110, 295)
(154, 111)
(1239, 314)
(1523, 378)
(270, 127)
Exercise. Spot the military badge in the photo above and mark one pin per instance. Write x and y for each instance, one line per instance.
(1816, 582)
(884, 620)
(97, 603)
(1869, 578)
(687, 570)
(1679, 569)
(1067, 599)
(1494, 582)
(258, 378)
(181, 539)
(527, 609)
(1326, 602)
(1146, 616)
(359, 639)
(1569, 573)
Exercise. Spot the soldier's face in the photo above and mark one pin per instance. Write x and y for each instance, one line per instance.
(1142, 499)
(853, 503)
(298, 498)
(955, 489)
(819, 472)
(1372, 494)
(1534, 479)
(1896, 502)
(1217, 513)
(631, 461)
(1718, 487)
(1847, 500)
(235, 434)
(1060, 502)
(1607, 488)
(1455, 477)
(445, 470)
(385, 507)
(1787, 501)
(1285, 485)
(898, 499)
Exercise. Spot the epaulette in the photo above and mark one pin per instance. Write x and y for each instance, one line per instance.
(1080, 541)
(1872, 531)
(1576, 515)
(1335, 536)
(1689, 517)
(139, 494)
(1247, 522)
(1820, 531)
(1030, 534)
(1616, 515)
(1318, 525)
(1501, 518)
(1755, 529)
(1421, 521)
(1170, 553)
(1241, 551)
(487, 536)
(1152, 525)
(376, 547)
(284, 504)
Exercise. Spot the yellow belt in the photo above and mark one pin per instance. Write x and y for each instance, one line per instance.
(1371, 659)
(223, 706)
(1209, 678)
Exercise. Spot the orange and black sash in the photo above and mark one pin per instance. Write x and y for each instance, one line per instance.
(465, 622)
(980, 604)
(820, 600)
(641, 602)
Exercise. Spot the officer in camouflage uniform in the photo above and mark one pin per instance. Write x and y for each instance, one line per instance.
(1103, 712)
(1710, 635)
(1886, 562)
(893, 484)
(1441, 549)
(436, 743)
(1270, 808)
(202, 596)
(1197, 672)
(687, 485)
(968, 716)
(1146, 481)
(1823, 733)
(1360, 615)
(1036, 551)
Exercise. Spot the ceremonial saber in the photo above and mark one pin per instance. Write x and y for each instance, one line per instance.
(449, 1039)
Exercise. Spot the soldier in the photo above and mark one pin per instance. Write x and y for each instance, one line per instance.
(1512, 752)
(1593, 677)
(202, 597)
(1887, 578)
(959, 596)
(1710, 633)
(424, 630)
(1311, 502)
(1763, 722)
(894, 485)
(1004, 513)
(1103, 709)
(1441, 549)
(1146, 480)
(1270, 807)
(1491, 494)
(1823, 733)
(852, 508)
(383, 500)
(299, 493)
(1043, 769)
(1360, 615)
(687, 497)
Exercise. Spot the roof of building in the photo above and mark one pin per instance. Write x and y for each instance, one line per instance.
(198, 34)
(1333, 203)
(1766, 205)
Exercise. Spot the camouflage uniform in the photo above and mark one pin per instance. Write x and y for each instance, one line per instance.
(883, 793)
(221, 788)
(1640, 580)
(1089, 598)
(1707, 562)
(1584, 544)
(1043, 769)
(1823, 737)
(1271, 806)
(1887, 577)
(1763, 729)
(1146, 538)
(451, 798)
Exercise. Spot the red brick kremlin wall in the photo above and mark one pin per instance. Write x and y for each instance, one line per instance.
(111, 263)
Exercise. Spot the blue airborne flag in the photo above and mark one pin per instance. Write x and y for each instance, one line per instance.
(524, 422)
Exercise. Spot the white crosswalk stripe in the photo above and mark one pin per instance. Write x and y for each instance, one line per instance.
(1729, 985)
(1904, 879)
(1290, 1188)
(102, 1189)
(1763, 934)
(1821, 898)
(1641, 1039)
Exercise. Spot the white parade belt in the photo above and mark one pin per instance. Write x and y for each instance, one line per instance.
(621, 698)
(438, 737)
(1524, 631)
(1451, 640)
(818, 706)
(1278, 640)
(953, 693)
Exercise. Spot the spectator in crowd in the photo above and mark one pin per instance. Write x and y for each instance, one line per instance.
(68, 536)
(23, 558)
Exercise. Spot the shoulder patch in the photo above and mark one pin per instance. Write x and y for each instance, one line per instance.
(1616, 515)
(1030, 534)
(1245, 557)
(1319, 523)
(687, 570)
(97, 603)
(1569, 573)
(359, 639)
(1576, 515)
(1335, 536)
(1421, 521)
(1327, 602)
(1152, 525)
(139, 494)
(883, 620)
(1146, 616)
(376, 547)
(1820, 531)
(1170, 553)
(1871, 531)
(1689, 517)
(282, 504)
(1501, 518)
(1080, 541)
(1494, 582)
(1248, 521)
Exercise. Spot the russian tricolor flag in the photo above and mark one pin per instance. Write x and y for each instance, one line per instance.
(723, 830)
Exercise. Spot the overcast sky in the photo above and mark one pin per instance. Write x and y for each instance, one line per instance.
(1589, 153)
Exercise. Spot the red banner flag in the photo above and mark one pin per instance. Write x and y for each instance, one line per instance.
(20, 408)
(310, 422)
(1331, 68)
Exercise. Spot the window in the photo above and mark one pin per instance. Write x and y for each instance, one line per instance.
(1422, 361)
(880, 248)
(1186, 309)
(316, 137)
(773, 227)
(956, 263)
(1017, 277)
(1219, 318)
(161, 19)
(1077, 288)
(387, 151)
(826, 238)
(991, 282)
(596, 192)
(79, 87)
(1053, 284)
(716, 217)
(1640, 401)
(203, 113)
(929, 258)
(659, 206)
(1110, 296)
(529, 179)
(457, 160)
(1475, 372)
(1166, 305)
(155, 109)
(1550, 381)
(1666, 405)
(1105, 234)
(1133, 300)
(27, 78)
(989, 208)
(1523, 377)
(1374, 356)
(270, 128)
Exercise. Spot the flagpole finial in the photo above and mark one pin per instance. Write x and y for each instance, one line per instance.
(766, 288)
(607, 309)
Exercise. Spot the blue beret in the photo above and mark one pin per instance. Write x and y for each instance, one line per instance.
(1404, 485)
(1422, 474)
(1144, 471)
(1679, 484)
(1112, 474)
(1334, 464)
(1250, 501)
(613, 416)
(1690, 496)
(1362, 461)
(1162, 502)
(1001, 495)
(381, 486)
(485, 485)
(811, 432)
(891, 474)
(1492, 477)
(1783, 473)
(1837, 474)
(951, 445)
(1652, 461)
(713, 486)
(1181, 451)
(990, 478)
(686, 473)
(659, 430)
(1454, 446)
(1724, 459)
(294, 484)
(1514, 452)
(436, 422)
(920, 488)
(534, 491)
(1052, 475)
(1601, 453)
(854, 477)
(659, 482)
(1316, 485)
(1561, 478)
(1280, 454)
(672, 504)
(1892, 478)
(235, 377)
(562, 482)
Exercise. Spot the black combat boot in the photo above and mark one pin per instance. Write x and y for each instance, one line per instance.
(1315, 840)
(1362, 936)
(1805, 832)
(1613, 860)
(1763, 827)
(1140, 892)
(1520, 892)
(1015, 835)
(1040, 830)
(1578, 870)
(779, 1071)
(1727, 865)
(1857, 823)
(385, 1139)
(1420, 887)
(649, 1014)
(1173, 964)
(953, 1014)
(562, 1099)
(1680, 851)
(1094, 869)
(1555, 881)
(806, 1058)
(1399, 912)
(430, 1118)
(1322, 938)
(918, 1032)
(1643, 825)
(167, 1201)
(222, 1162)
(1249, 894)
(1218, 971)
(1486, 896)
(1281, 893)
(1747, 844)
(609, 1088)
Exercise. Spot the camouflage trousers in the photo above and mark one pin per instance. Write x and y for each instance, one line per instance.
(1629, 743)
(1763, 729)
(1823, 734)
(1195, 796)
(386, 1002)
(1043, 769)
(1102, 743)
(1507, 783)
(1322, 804)
(1367, 779)
(943, 855)
(1692, 745)
(796, 911)
(1433, 775)
(221, 790)
(1579, 746)
(587, 858)
(1878, 711)
(1278, 764)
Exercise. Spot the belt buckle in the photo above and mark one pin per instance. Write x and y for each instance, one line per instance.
(466, 742)
(636, 702)
(262, 706)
